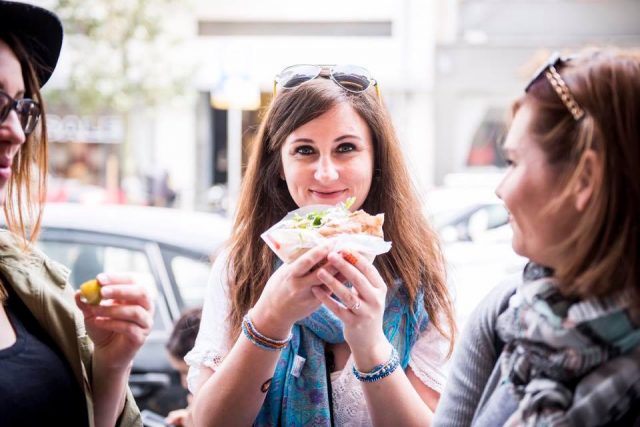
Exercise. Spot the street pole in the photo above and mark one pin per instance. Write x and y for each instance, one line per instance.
(234, 158)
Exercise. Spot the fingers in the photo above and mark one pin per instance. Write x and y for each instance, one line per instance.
(324, 296)
(122, 327)
(303, 265)
(106, 279)
(132, 314)
(358, 271)
(127, 294)
(347, 296)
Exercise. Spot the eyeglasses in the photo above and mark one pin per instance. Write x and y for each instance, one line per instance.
(559, 85)
(351, 78)
(27, 109)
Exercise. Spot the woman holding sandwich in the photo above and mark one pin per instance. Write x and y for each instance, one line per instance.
(329, 338)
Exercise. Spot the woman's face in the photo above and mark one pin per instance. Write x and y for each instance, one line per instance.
(526, 189)
(11, 134)
(329, 159)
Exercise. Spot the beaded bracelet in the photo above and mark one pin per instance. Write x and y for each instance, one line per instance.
(260, 340)
(379, 371)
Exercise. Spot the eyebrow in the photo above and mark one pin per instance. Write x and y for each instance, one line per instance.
(17, 95)
(347, 136)
(338, 139)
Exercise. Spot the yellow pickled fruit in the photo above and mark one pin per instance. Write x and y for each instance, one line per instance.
(90, 292)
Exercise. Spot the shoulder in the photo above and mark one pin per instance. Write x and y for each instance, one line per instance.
(480, 326)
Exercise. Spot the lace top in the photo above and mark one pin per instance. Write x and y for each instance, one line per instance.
(427, 358)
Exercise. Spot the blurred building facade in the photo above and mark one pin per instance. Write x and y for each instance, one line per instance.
(447, 69)
(488, 51)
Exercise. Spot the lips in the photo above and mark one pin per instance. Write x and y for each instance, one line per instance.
(5, 167)
(327, 193)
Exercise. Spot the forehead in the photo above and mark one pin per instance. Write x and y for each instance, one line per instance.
(519, 134)
(10, 71)
(340, 119)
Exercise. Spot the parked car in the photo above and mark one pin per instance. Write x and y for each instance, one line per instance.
(474, 228)
(169, 250)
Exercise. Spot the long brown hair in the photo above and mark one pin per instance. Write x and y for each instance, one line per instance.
(415, 257)
(26, 189)
(602, 252)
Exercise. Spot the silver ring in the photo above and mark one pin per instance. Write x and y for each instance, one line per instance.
(355, 306)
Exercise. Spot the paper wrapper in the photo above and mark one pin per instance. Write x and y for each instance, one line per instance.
(289, 243)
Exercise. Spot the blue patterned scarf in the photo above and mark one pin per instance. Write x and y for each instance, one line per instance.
(304, 399)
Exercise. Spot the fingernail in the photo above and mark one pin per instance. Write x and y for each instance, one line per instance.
(349, 257)
(102, 278)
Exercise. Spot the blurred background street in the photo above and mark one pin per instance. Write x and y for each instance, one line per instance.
(155, 103)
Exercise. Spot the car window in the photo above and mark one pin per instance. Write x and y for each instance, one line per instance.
(191, 276)
(87, 260)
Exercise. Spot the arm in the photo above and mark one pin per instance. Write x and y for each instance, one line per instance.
(118, 327)
(233, 394)
(473, 362)
(399, 398)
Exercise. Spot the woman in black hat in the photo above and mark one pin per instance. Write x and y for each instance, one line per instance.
(60, 365)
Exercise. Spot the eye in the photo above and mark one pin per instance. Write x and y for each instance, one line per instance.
(304, 150)
(509, 162)
(346, 147)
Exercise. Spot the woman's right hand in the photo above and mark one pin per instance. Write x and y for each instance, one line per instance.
(287, 296)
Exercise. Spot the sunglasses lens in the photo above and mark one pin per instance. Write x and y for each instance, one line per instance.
(352, 77)
(5, 106)
(29, 113)
(296, 75)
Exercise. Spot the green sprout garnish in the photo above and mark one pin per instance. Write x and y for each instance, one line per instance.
(316, 219)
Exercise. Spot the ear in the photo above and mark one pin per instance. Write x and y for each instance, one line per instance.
(588, 181)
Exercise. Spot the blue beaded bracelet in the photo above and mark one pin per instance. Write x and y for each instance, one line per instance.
(379, 371)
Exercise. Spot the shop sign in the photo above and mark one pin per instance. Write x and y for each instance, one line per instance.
(105, 129)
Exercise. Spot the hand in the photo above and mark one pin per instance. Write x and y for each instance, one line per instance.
(180, 418)
(362, 306)
(121, 322)
(287, 296)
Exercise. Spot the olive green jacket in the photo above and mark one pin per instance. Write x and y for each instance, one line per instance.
(42, 285)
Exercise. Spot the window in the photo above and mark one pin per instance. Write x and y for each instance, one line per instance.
(87, 260)
(191, 276)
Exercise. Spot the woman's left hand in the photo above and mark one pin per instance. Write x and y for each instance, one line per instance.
(362, 306)
(119, 325)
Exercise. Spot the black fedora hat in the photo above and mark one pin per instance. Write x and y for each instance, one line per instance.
(38, 29)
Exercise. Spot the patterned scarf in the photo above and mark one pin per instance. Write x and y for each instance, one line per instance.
(568, 362)
(299, 397)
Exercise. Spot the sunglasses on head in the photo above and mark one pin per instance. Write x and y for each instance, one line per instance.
(27, 109)
(351, 78)
(550, 71)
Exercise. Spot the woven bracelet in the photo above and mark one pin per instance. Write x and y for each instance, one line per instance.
(261, 340)
(379, 371)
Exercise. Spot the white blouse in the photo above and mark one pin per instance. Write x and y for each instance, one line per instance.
(427, 358)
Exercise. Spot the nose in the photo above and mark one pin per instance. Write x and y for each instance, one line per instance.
(326, 170)
(13, 129)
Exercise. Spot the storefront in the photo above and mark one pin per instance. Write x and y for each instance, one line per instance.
(84, 159)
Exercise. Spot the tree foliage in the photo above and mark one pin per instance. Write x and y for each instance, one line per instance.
(122, 54)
